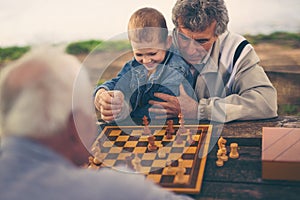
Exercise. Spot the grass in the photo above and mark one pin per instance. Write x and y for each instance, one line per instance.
(281, 38)
(85, 47)
(12, 53)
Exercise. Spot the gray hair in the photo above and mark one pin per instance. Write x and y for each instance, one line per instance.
(36, 93)
(197, 15)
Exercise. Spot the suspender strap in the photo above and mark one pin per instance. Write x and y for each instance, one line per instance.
(238, 51)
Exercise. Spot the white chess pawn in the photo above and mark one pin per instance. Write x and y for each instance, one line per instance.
(233, 151)
(180, 172)
(136, 162)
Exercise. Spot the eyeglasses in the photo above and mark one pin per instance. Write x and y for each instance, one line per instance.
(185, 40)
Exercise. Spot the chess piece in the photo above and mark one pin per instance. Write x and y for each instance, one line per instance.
(91, 164)
(224, 157)
(170, 129)
(221, 142)
(169, 135)
(219, 162)
(180, 172)
(162, 153)
(151, 145)
(169, 167)
(147, 131)
(233, 151)
(136, 162)
(129, 162)
(181, 121)
(97, 160)
(190, 136)
(178, 138)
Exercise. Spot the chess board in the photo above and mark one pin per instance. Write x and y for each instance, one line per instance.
(120, 144)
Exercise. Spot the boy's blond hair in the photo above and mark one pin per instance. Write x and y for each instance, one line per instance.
(147, 24)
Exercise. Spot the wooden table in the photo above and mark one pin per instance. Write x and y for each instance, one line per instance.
(241, 178)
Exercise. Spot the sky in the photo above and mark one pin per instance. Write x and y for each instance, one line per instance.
(30, 22)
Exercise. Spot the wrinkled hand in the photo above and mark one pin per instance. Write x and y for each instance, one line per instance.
(172, 106)
(109, 103)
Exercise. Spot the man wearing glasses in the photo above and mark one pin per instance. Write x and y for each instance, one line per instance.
(229, 83)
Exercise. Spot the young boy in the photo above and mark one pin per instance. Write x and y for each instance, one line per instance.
(153, 68)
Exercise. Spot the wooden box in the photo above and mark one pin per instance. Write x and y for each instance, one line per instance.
(281, 153)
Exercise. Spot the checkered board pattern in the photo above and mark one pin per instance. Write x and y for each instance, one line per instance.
(117, 144)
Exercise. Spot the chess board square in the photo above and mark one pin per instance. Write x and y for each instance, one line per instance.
(196, 137)
(115, 150)
(187, 163)
(120, 163)
(166, 140)
(158, 138)
(160, 132)
(133, 138)
(149, 156)
(154, 177)
(107, 144)
(146, 163)
(109, 163)
(185, 179)
(188, 171)
(188, 156)
(174, 156)
(122, 156)
(176, 144)
(115, 132)
(137, 132)
(130, 143)
(143, 138)
(169, 171)
(119, 144)
(111, 156)
(145, 169)
(128, 149)
(122, 138)
(156, 170)
(159, 163)
(112, 138)
(165, 179)
(166, 149)
(105, 149)
(191, 150)
(177, 150)
(141, 149)
(142, 144)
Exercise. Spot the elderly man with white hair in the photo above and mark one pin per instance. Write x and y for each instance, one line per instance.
(44, 125)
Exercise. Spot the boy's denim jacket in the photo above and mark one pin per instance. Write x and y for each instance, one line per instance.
(138, 89)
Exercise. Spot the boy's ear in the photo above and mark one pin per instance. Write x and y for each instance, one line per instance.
(169, 41)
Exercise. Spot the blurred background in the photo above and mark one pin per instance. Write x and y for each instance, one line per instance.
(95, 32)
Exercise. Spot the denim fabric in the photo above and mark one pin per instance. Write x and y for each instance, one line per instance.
(138, 89)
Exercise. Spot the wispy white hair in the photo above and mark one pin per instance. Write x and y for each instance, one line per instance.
(36, 93)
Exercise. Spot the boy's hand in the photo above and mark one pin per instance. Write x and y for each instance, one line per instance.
(109, 103)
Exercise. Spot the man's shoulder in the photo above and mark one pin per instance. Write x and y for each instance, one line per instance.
(231, 38)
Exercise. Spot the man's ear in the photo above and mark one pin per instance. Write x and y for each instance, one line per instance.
(169, 41)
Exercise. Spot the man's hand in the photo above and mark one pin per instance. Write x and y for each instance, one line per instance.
(172, 106)
(109, 103)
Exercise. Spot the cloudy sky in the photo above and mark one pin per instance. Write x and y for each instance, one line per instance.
(25, 22)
